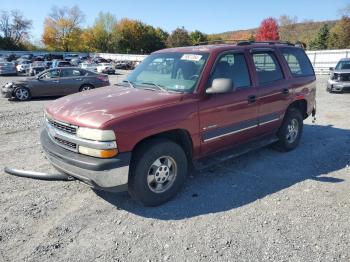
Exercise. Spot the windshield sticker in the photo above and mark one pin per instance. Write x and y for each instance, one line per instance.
(191, 57)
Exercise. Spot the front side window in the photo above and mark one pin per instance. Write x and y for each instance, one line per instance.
(298, 63)
(267, 67)
(173, 71)
(51, 74)
(234, 67)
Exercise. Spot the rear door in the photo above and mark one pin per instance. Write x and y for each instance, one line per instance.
(47, 84)
(71, 80)
(272, 89)
(229, 119)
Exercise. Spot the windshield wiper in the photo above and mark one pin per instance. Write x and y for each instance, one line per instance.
(129, 82)
(156, 85)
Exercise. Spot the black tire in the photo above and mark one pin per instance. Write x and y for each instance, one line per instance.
(288, 142)
(22, 94)
(143, 165)
(86, 87)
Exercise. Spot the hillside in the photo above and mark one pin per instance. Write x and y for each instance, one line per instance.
(304, 32)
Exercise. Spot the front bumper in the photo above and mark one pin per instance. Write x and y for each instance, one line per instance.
(6, 92)
(105, 174)
(337, 86)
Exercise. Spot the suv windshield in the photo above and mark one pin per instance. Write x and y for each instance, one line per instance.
(169, 71)
(343, 65)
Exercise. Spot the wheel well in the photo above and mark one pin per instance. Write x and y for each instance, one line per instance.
(86, 84)
(301, 105)
(179, 136)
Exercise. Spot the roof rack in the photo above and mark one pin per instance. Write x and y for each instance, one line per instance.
(241, 42)
(219, 41)
(266, 42)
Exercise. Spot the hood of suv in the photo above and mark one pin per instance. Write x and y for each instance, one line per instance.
(96, 107)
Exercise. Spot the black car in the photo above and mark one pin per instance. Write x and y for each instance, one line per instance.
(55, 82)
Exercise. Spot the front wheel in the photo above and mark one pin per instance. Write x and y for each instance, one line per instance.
(158, 171)
(290, 132)
(22, 94)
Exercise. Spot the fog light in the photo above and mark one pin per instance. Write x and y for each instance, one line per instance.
(98, 152)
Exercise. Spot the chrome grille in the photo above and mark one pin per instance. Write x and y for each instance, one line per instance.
(65, 143)
(345, 77)
(63, 127)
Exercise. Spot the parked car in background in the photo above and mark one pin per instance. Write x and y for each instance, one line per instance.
(50, 57)
(60, 63)
(38, 58)
(339, 80)
(106, 68)
(7, 68)
(88, 66)
(69, 57)
(125, 65)
(55, 82)
(47, 64)
(35, 68)
(27, 57)
(23, 65)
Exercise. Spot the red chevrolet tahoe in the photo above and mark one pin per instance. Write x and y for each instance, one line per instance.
(181, 108)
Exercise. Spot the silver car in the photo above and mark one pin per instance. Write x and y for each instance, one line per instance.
(8, 68)
(339, 80)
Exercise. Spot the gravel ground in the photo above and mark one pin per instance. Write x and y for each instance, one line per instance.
(264, 206)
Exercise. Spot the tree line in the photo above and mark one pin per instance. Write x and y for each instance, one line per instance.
(64, 31)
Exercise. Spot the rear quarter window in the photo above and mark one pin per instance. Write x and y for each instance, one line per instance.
(298, 62)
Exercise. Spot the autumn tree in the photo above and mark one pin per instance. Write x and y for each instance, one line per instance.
(198, 37)
(268, 30)
(14, 30)
(179, 37)
(62, 29)
(339, 36)
(288, 28)
(321, 40)
(101, 36)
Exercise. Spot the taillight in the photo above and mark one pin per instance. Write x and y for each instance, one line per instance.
(103, 78)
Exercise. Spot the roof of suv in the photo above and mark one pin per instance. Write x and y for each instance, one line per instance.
(221, 47)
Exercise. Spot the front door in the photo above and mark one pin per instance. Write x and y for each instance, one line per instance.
(46, 84)
(229, 119)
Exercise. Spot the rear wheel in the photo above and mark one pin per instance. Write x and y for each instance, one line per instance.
(22, 94)
(85, 88)
(158, 171)
(291, 130)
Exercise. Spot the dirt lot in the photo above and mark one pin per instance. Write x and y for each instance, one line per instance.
(264, 206)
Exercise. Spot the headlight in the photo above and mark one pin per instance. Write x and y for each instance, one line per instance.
(106, 153)
(7, 85)
(96, 134)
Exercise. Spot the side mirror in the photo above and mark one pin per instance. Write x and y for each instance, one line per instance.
(331, 68)
(221, 85)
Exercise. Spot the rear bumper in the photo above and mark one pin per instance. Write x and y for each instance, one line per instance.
(106, 174)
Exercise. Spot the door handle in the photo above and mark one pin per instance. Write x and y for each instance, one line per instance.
(251, 99)
(78, 79)
(285, 91)
(55, 81)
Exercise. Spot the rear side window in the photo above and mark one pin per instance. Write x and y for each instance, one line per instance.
(234, 66)
(299, 64)
(71, 72)
(267, 67)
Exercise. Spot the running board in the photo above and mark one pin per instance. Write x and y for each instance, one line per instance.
(225, 155)
(38, 175)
